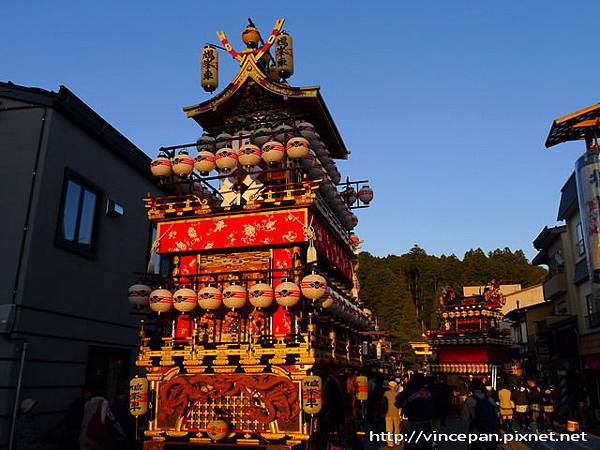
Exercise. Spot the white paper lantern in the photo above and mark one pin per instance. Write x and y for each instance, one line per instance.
(161, 300)
(287, 294)
(261, 295)
(226, 159)
(184, 300)
(139, 294)
(249, 155)
(273, 152)
(234, 296)
(161, 166)
(210, 298)
(313, 286)
(204, 161)
(297, 147)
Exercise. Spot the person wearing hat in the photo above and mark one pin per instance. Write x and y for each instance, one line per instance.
(391, 411)
(28, 435)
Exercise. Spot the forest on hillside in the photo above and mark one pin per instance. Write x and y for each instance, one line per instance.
(403, 290)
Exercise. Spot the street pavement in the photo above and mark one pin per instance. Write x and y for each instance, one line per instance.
(454, 425)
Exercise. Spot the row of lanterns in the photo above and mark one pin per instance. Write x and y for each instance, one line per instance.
(478, 368)
(233, 296)
(226, 158)
(467, 340)
(471, 313)
(341, 307)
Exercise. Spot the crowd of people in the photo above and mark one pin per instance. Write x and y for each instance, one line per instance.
(421, 403)
(92, 422)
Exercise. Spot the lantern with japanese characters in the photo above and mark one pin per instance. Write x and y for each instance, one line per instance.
(284, 55)
(587, 172)
(209, 68)
(161, 166)
(139, 294)
(261, 295)
(297, 147)
(362, 388)
(161, 300)
(183, 163)
(312, 397)
(185, 299)
(234, 296)
(287, 294)
(226, 159)
(249, 155)
(138, 396)
(313, 286)
(273, 152)
(210, 298)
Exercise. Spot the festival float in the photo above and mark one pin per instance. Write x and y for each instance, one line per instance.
(254, 334)
(470, 340)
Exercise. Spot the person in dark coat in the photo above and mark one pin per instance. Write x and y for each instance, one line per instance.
(441, 402)
(417, 405)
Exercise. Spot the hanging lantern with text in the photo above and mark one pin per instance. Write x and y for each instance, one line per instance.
(312, 399)
(209, 68)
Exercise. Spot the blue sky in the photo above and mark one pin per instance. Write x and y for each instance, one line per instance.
(445, 105)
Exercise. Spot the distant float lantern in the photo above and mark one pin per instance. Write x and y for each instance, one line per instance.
(297, 147)
(184, 300)
(249, 155)
(287, 294)
(204, 162)
(313, 286)
(138, 396)
(362, 388)
(139, 294)
(183, 163)
(210, 298)
(312, 394)
(161, 300)
(272, 152)
(226, 159)
(261, 295)
(284, 55)
(161, 166)
(209, 68)
(234, 296)
(217, 429)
